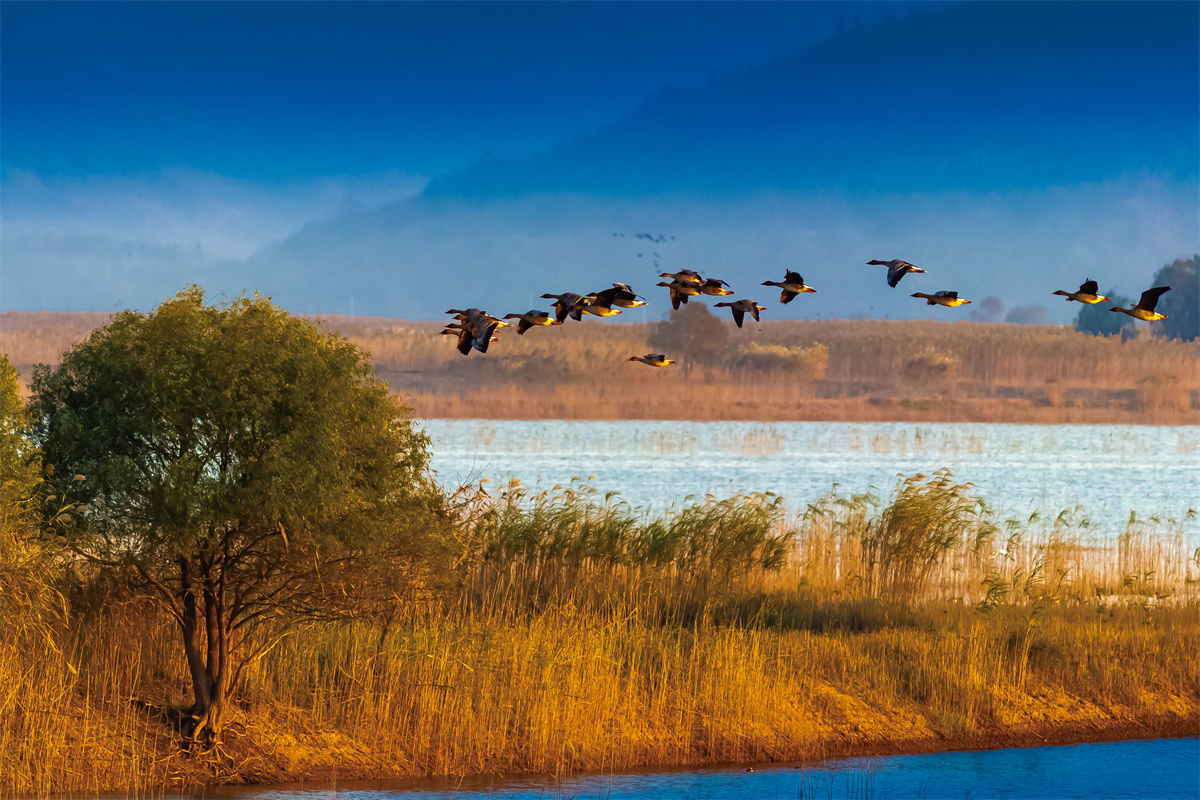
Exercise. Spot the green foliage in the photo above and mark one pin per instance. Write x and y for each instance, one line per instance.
(1099, 320)
(196, 418)
(926, 520)
(1182, 303)
(19, 465)
(240, 457)
(692, 335)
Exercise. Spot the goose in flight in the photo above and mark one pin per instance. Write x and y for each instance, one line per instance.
(1089, 292)
(1144, 310)
(948, 299)
(897, 269)
(476, 329)
(680, 291)
(715, 287)
(566, 305)
(653, 359)
(741, 308)
(684, 275)
(531, 318)
(792, 285)
(621, 294)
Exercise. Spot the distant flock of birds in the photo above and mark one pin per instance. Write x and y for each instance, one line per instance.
(475, 329)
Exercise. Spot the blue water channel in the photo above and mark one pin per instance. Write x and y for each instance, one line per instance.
(1152, 769)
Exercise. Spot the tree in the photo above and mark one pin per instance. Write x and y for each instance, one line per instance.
(991, 309)
(1099, 320)
(245, 467)
(1028, 315)
(692, 335)
(19, 465)
(1182, 303)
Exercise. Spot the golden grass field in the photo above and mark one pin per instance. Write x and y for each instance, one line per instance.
(859, 370)
(580, 637)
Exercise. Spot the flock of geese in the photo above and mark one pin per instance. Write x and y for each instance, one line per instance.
(475, 329)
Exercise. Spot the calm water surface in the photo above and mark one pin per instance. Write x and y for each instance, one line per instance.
(1154, 769)
(1110, 470)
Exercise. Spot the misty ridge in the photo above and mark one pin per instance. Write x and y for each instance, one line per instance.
(978, 98)
(1001, 168)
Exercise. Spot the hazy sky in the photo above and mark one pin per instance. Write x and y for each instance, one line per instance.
(403, 158)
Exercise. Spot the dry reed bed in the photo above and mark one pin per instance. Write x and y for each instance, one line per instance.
(872, 370)
(586, 635)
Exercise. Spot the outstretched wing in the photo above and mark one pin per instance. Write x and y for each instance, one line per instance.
(793, 277)
(738, 316)
(1150, 297)
(464, 341)
(754, 312)
(951, 295)
(1089, 287)
(786, 296)
(896, 272)
(605, 299)
(523, 326)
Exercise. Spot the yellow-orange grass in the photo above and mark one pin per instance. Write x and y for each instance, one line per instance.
(499, 685)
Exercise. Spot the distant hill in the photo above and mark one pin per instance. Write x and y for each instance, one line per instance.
(982, 96)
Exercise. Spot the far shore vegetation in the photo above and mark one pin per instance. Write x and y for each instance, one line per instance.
(223, 560)
(779, 370)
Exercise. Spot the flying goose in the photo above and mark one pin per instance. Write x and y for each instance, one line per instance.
(792, 285)
(741, 308)
(1088, 293)
(621, 294)
(653, 359)
(715, 287)
(680, 291)
(1144, 310)
(949, 299)
(897, 269)
(567, 304)
(531, 318)
(684, 275)
(476, 329)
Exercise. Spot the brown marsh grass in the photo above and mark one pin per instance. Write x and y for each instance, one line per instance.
(589, 635)
(782, 370)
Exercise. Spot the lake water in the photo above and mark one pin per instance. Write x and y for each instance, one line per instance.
(1110, 470)
(1153, 769)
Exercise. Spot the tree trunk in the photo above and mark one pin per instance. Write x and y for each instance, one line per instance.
(208, 669)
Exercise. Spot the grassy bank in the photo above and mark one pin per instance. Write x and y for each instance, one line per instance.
(587, 635)
(858, 370)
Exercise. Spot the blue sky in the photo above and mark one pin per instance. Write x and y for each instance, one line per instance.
(403, 158)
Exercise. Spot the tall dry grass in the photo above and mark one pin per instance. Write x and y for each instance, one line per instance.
(586, 634)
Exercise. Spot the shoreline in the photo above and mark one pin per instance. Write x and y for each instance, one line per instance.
(1194, 423)
(509, 403)
(351, 777)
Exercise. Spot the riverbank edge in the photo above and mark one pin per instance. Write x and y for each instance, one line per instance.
(366, 768)
(858, 410)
